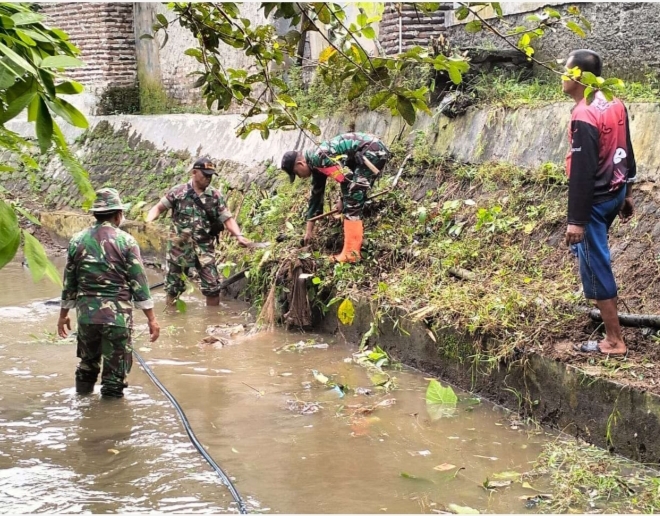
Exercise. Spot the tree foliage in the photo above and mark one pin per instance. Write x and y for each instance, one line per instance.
(265, 93)
(33, 57)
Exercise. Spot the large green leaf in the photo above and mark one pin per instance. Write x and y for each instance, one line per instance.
(38, 262)
(44, 126)
(437, 394)
(69, 113)
(10, 234)
(17, 106)
(17, 59)
(26, 18)
(406, 109)
(358, 84)
(69, 88)
(61, 61)
(379, 99)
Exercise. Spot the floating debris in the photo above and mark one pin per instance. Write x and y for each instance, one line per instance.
(305, 408)
(214, 341)
(301, 346)
(225, 330)
(444, 467)
(363, 391)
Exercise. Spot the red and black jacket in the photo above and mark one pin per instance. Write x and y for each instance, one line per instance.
(601, 160)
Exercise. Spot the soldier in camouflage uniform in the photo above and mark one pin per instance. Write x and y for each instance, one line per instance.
(330, 159)
(198, 213)
(103, 279)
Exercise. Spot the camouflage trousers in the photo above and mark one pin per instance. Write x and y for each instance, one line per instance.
(358, 183)
(179, 261)
(110, 346)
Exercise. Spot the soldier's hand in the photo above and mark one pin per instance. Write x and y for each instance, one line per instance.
(62, 323)
(244, 242)
(154, 330)
(309, 235)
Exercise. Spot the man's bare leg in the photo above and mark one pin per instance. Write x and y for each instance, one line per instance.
(613, 342)
(213, 300)
(170, 300)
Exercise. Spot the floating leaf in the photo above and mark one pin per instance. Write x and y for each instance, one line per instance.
(444, 467)
(112, 450)
(320, 377)
(181, 306)
(507, 475)
(494, 484)
(436, 393)
(460, 509)
(403, 474)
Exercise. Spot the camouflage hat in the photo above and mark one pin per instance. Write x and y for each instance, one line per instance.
(107, 199)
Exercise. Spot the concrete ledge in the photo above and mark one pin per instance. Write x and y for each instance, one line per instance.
(553, 393)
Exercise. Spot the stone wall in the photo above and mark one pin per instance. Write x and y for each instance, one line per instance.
(624, 33)
(104, 34)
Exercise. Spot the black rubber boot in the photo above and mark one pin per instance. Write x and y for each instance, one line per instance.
(83, 387)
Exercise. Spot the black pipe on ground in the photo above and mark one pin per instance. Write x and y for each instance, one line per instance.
(632, 320)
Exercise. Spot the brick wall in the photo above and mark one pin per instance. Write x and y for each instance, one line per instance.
(104, 34)
(418, 28)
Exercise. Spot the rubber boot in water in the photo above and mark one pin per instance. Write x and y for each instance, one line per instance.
(353, 234)
(83, 387)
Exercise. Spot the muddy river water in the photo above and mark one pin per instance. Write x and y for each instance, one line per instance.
(60, 452)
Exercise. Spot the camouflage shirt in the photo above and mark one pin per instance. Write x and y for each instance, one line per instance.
(104, 277)
(340, 150)
(188, 219)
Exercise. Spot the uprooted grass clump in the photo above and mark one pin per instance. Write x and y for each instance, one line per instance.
(587, 478)
(459, 246)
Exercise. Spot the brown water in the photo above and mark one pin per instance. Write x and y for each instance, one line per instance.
(63, 453)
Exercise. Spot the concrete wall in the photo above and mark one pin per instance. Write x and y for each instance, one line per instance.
(624, 33)
(169, 66)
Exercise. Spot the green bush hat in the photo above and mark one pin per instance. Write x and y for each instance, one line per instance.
(107, 199)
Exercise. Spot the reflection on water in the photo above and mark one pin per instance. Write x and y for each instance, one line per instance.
(63, 453)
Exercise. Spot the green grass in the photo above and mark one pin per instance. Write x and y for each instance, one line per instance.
(585, 478)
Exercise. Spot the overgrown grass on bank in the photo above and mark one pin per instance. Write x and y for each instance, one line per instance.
(494, 221)
(585, 478)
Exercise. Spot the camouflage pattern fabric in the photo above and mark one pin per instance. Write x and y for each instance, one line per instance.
(104, 277)
(191, 244)
(108, 345)
(342, 150)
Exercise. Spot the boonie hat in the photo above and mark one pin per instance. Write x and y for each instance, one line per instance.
(288, 162)
(107, 199)
(206, 166)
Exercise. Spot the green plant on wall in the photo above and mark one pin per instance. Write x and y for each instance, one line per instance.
(33, 57)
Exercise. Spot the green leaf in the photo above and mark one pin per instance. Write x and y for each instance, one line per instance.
(346, 312)
(362, 19)
(26, 18)
(379, 99)
(146, 36)
(181, 306)
(454, 75)
(607, 93)
(17, 106)
(10, 234)
(69, 113)
(473, 27)
(589, 79)
(436, 393)
(163, 21)
(316, 280)
(69, 88)
(369, 33)
(38, 262)
(497, 7)
(405, 109)
(18, 60)
(575, 28)
(552, 13)
(44, 125)
(27, 215)
(358, 84)
(462, 13)
(61, 61)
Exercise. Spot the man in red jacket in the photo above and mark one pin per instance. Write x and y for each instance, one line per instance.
(601, 169)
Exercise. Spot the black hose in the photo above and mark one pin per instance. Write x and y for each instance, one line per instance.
(225, 479)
